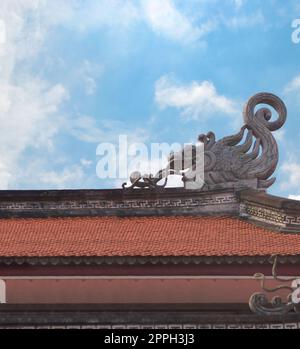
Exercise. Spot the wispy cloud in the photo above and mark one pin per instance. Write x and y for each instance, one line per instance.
(30, 107)
(238, 3)
(245, 20)
(87, 129)
(87, 76)
(166, 20)
(293, 86)
(30, 117)
(290, 172)
(65, 178)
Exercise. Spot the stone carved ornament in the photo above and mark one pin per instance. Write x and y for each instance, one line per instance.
(229, 162)
(260, 304)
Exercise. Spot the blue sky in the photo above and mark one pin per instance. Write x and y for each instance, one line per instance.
(75, 73)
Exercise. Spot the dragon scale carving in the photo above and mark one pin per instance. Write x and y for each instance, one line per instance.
(227, 161)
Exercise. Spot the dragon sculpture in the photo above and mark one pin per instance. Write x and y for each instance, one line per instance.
(230, 161)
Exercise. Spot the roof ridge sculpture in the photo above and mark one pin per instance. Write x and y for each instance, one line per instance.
(228, 163)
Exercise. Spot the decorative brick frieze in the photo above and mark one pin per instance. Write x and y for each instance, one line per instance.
(275, 217)
(282, 214)
(265, 214)
(292, 220)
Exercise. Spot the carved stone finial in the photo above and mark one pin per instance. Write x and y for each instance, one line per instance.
(228, 163)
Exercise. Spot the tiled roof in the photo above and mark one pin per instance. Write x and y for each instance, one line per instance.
(141, 236)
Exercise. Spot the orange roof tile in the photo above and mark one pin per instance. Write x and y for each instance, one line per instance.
(141, 236)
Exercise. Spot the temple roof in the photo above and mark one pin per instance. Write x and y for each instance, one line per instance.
(141, 236)
(225, 213)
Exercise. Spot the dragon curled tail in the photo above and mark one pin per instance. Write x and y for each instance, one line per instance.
(229, 161)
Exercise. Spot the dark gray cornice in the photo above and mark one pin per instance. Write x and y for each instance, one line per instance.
(145, 261)
(142, 316)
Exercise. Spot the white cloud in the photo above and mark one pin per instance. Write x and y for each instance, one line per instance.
(79, 15)
(63, 179)
(112, 13)
(238, 3)
(279, 135)
(290, 175)
(29, 117)
(54, 171)
(294, 197)
(87, 129)
(86, 162)
(163, 17)
(245, 21)
(166, 20)
(87, 75)
(293, 86)
(30, 107)
(2, 32)
(197, 100)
